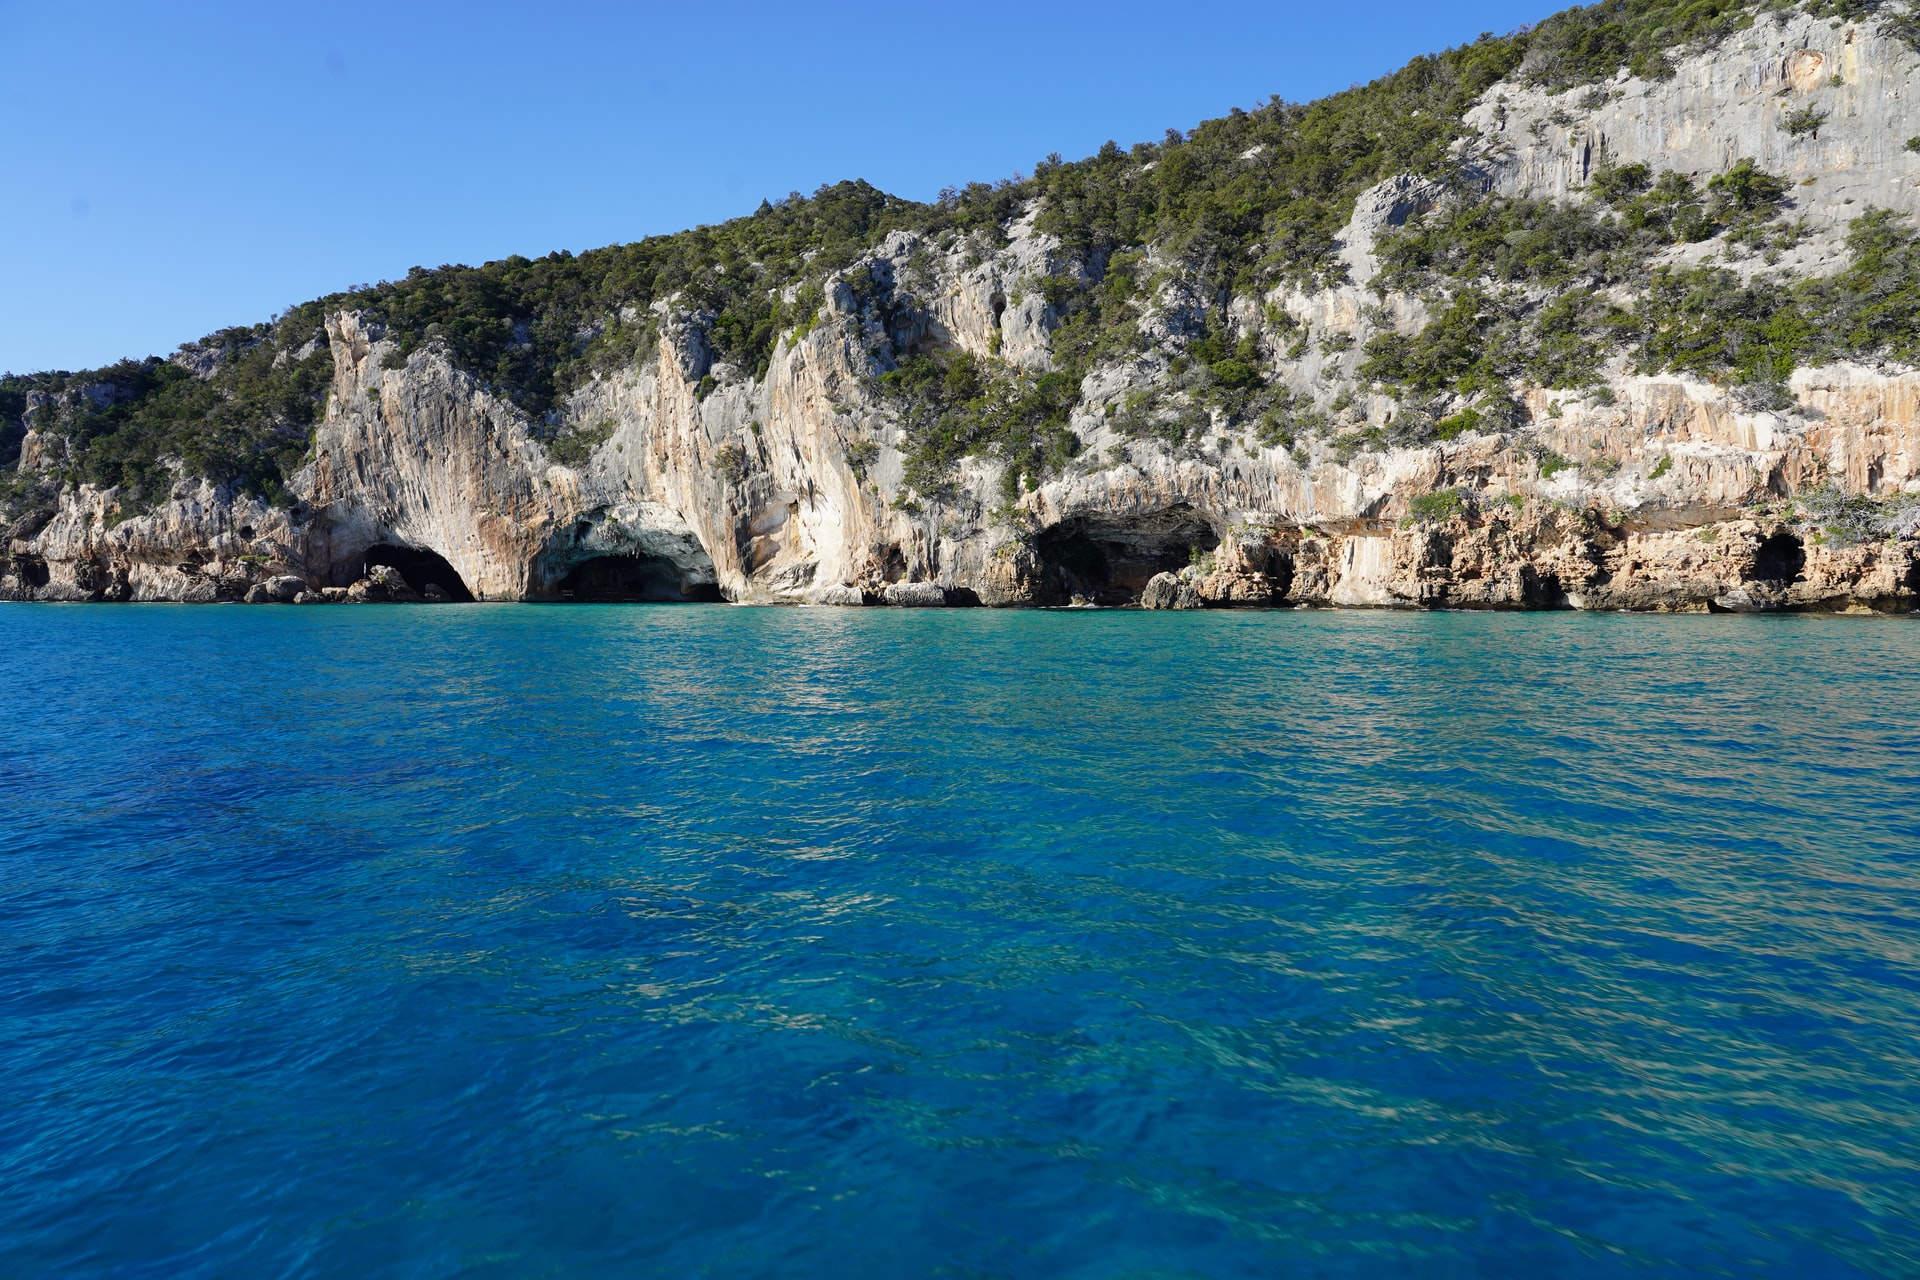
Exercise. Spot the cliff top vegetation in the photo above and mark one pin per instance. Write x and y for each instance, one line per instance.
(1238, 204)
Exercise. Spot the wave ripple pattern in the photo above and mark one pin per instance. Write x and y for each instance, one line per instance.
(507, 941)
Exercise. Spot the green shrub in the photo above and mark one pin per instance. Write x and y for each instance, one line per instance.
(954, 405)
(1847, 519)
(1235, 375)
(1807, 120)
(248, 424)
(1437, 507)
(730, 460)
(573, 448)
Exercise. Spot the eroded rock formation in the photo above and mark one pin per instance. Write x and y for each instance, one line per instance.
(700, 482)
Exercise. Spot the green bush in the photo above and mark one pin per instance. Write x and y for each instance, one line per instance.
(954, 405)
(1807, 120)
(573, 448)
(1437, 507)
(1458, 424)
(246, 425)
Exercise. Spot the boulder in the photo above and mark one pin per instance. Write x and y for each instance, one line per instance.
(284, 587)
(1227, 589)
(258, 594)
(838, 594)
(383, 585)
(1165, 591)
(915, 595)
(199, 589)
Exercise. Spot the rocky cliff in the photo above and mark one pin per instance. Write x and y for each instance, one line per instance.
(679, 475)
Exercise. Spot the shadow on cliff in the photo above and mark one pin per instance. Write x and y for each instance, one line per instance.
(632, 580)
(420, 568)
(1109, 559)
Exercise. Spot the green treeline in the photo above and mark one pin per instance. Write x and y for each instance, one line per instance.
(1486, 329)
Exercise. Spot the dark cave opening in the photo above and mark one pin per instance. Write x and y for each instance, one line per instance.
(420, 568)
(633, 580)
(1781, 558)
(1111, 561)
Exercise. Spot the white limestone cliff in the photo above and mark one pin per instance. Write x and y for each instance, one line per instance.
(791, 487)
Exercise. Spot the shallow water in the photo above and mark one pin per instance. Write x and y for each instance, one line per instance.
(507, 940)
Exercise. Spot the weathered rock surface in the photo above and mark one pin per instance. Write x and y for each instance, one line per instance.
(1167, 591)
(915, 595)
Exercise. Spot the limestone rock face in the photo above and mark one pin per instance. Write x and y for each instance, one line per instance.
(1723, 105)
(704, 482)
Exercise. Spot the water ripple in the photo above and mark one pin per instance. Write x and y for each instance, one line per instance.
(703, 941)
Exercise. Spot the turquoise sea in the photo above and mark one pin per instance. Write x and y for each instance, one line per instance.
(703, 941)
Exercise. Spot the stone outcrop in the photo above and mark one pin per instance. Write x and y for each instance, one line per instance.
(702, 482)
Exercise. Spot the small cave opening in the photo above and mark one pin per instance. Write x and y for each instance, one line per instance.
(1109, 561)
(1781, 558)
(633, 580)
(999, 304)
(421, 568)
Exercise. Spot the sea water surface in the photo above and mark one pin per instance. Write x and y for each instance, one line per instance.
(704, 941)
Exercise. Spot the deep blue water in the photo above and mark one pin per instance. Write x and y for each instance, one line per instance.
(690, 941)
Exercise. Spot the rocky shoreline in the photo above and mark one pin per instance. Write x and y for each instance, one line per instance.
(679, 477)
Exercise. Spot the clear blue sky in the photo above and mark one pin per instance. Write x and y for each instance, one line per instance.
(174, 168)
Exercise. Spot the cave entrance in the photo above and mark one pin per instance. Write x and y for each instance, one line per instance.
(1109, 560)
(420, 568)
(1781, 558)
(633, 580)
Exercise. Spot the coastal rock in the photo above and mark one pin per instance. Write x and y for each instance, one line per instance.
(839, 594)
(915, 595)
(1167, 591)
(285, 587)
(383, 584)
